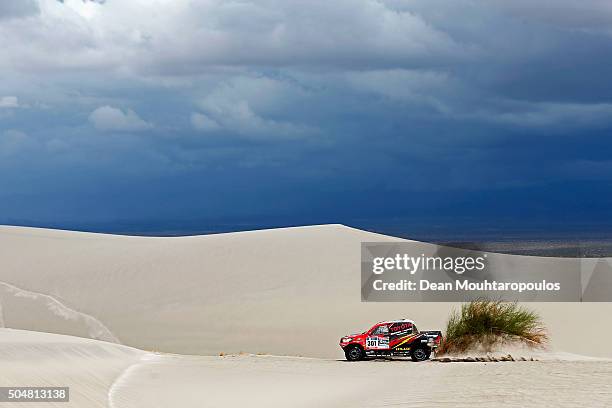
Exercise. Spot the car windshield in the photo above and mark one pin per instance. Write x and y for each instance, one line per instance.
(381, 330)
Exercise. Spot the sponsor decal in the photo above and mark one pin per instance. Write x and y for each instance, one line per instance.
(377, 343)
(406, 339)
(398, 327)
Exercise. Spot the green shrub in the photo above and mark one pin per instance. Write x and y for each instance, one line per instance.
(483, 324)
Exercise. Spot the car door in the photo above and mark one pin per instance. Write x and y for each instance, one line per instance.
(378, 339)
(401, 335)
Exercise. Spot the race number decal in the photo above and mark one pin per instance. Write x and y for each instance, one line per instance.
(372, 342)
(377, 343)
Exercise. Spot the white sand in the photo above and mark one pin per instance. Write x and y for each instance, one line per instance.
(88, 367)
(292, 291)
(103, 374)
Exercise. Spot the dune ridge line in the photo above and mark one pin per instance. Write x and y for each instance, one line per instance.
(97, 329)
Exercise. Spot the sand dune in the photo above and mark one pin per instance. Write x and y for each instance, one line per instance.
(292, 291)
(88, 367)
(102, 374)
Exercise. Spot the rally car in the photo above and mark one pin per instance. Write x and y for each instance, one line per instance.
(391, 338)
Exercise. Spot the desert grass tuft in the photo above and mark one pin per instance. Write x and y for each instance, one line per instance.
(484, 324)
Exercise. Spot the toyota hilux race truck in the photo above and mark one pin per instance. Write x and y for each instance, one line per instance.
(394, 338)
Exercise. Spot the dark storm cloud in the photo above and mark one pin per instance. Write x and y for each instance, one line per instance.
(18, 8)
(307, 107)
(85, 1)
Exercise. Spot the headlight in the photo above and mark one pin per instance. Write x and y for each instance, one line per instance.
(346, 339)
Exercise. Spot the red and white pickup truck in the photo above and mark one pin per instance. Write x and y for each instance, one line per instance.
(391, 338)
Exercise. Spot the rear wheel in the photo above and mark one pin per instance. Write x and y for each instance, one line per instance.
(420, 354)
(354, 353)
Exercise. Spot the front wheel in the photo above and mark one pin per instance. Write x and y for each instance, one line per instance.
(420, 354)
(354, 353)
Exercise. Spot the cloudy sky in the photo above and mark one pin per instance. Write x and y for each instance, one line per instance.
(496, 113)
